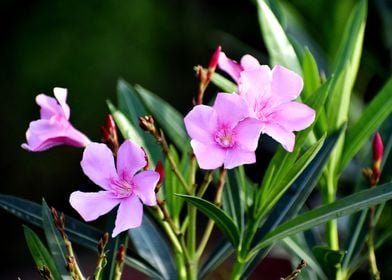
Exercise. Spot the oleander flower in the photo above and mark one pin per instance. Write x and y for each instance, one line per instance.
(53, 128)
(223, 134)
(124, 186)
(269, 95)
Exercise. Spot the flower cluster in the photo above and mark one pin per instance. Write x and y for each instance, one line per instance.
(227, 133)
(124, 186)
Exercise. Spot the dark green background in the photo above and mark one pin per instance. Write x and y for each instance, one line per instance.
(86, 46)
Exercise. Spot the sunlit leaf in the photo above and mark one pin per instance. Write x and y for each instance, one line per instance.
(39, 252)
(221, 219)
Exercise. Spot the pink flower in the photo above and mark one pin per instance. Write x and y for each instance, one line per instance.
(269, 95)
(53, 128)
(223, 134)
(122, 187)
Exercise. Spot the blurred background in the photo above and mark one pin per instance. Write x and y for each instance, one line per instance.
(86, 46)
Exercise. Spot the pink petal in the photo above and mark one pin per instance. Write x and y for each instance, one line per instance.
(93, 204)
(98, 164)
(61, 96)
(144, 186)
(201, 122)
(130, 159)
(248, 62)
(255, 88)
(247, 134)
(293, 116)
(129, 214)
(281, 135)
(49, 106)
(236, 157)
(230, 66)
(230, 108)
(286, 84)
(208, 156)
(44, 134)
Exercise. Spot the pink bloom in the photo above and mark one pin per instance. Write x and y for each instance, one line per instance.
(122, 186)
(223, 134)
(269, 95)
(53, 128)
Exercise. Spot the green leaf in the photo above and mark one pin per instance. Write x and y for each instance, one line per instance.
(339, 208)
(293, 199)
(152, 246)
(279, 47)
(171, 121)
(126, 128)
(329, 259)
(372, 117)
(78, 232)
(55, 241)
(310, 74)
(233, 198)
(223, 83)
(347, 66)
(131, 106)
(304, 253)
(221, 219)
(39, 252)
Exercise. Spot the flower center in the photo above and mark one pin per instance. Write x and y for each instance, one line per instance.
(121, 187)
(225, 138)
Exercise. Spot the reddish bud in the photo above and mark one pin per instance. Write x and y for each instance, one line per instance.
(120, 254)
(110, 124)
(378, 148)
(147, 124)
(214, 59)
(161, 170)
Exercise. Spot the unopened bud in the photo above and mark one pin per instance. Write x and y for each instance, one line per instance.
(109, 134)
(378, 148)
(161, 170)
(120, 254)
(103, 241)
(214, 59)
(45, 273)
(147, 124)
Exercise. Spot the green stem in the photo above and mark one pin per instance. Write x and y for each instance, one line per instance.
(191, 243)
(371, 251)
(332, 233)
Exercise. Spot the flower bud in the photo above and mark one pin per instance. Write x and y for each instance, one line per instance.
(214, 59)
(161, 170)
(378, 153)
(147, 124)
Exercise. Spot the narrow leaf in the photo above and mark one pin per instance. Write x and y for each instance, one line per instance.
(221, 219)
(233, 198)
(310, 74)
(55, 241)
(372, 117)
(39, 252)
(171, 121)
(223, 83)
(151, 246)
(279, 47)
(339, 208)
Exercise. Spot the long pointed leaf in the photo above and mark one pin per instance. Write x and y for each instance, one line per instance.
(294, 198)
(339, 208)
(279, 47)
(221, 219)
(55, 241)
(78, 232)
(372, 117)
(152, 247)
(168, 118)
(39, 252)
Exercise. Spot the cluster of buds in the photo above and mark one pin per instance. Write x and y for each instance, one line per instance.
(109, 134)
(374, 174)
(205, 75)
